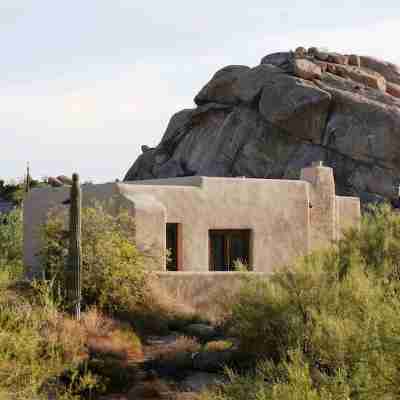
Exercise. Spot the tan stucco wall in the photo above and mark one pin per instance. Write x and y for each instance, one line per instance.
(203, 291)
(322, 206)
(348, 213)
(287, 218)
(276, 211)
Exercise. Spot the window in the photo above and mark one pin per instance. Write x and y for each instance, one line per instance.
(227, 247)
(173, 233)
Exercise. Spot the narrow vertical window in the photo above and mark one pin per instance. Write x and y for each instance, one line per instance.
(173, 234)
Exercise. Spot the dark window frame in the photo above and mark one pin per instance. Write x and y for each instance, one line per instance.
(227, 236)
(173, 232)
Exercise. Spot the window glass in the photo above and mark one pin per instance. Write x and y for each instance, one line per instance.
(228, 247)
(172, 247)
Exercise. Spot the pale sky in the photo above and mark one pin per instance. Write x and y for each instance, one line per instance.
(84, 83)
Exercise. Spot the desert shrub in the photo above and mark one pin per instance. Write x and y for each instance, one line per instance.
(11, 244)
(36, 343)
(376, 243)
(114, 271)
(291, 379)
(45, 354)
(338, 310)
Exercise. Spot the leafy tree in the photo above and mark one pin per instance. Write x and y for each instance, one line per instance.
(114, 271)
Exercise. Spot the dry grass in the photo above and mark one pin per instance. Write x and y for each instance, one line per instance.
(68, 334)
(96, 323)
(108, 336)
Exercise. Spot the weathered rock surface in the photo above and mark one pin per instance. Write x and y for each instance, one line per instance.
(221, 87)
(294, 108)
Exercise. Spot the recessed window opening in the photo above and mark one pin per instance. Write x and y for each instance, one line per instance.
(227, 248)
(174, 248)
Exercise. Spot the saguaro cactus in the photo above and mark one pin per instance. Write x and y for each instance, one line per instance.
(75, 250)
(28, 180)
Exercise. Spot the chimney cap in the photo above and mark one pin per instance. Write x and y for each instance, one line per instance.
(317, 164)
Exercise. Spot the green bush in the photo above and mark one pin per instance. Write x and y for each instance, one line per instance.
(376, 243)
(328, 326)
(114, 271)
(11, 244)
(291, 379)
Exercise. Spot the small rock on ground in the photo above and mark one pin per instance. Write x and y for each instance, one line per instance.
(202, 331)
(199, 381)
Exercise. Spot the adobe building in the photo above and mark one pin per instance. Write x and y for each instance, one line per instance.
(209, 223)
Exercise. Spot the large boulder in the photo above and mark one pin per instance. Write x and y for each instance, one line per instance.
(281, 60)
(363, 129)
(250, 84)
(220, 89)
(388, 70)
(294, 108)
(296, 105)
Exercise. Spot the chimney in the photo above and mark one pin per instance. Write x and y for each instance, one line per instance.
(322, 204)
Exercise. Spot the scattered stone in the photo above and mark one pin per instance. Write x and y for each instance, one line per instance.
(186, 396)
(212, 361)
(161, 340)
(202, 331)
(199, 381)
(152, 389)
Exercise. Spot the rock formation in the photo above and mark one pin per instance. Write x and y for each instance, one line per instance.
(294, 108)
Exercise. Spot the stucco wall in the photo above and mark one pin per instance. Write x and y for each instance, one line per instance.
(322, 205)
(276, 212)
(204, 292)
(287, 218)
(348, 213)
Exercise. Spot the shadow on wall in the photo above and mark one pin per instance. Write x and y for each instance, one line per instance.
(201, 293)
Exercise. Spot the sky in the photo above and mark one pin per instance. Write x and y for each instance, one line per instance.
(85, 83)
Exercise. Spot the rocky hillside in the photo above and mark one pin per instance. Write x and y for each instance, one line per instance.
(294, 108)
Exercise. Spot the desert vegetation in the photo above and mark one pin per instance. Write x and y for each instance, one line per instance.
(325, 328)
(43, 352)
